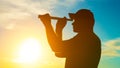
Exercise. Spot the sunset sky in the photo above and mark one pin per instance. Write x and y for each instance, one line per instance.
(20, 29)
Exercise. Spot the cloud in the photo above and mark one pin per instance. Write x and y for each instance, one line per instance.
(34, 6)
(111, 48)
(14, 11)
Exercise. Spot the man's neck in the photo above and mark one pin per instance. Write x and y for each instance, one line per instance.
(85, 32)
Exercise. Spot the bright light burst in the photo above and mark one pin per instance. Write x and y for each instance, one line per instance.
(30, 51)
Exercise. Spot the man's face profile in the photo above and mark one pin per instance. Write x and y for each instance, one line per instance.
(78, 24)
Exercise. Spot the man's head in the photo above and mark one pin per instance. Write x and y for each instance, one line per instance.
(83, 20)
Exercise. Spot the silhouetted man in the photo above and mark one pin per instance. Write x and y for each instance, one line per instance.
(81, 51)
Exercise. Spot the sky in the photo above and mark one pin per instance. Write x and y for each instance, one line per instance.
(19, 20)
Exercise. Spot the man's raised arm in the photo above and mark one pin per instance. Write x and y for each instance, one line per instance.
(54, 39)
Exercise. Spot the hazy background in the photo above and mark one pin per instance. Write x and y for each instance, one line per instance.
(19, 21)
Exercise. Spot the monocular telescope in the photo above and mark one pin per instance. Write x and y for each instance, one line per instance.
(57, 18)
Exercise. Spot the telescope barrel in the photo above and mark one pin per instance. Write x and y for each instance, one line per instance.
(57, 18)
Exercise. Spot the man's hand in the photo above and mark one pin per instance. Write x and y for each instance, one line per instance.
(59, 27)
(46, 19)
(61, 23)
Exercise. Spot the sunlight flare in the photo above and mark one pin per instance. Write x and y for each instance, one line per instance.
(30, 51)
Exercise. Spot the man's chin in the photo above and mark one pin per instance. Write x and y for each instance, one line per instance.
(76, 31)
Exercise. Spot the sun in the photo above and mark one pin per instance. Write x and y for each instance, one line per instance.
(30, 51)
